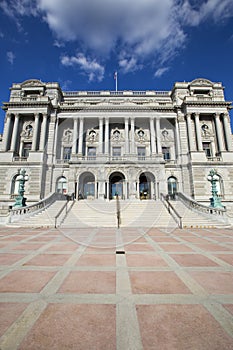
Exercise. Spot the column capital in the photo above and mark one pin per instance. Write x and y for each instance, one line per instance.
(217, 115)
(196, 114)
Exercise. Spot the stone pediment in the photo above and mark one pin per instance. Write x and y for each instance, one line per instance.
(201, 82)
(32, 83)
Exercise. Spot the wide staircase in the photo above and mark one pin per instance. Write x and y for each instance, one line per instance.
(131, 213)
(195, 219)
(43, 218)
(146, 213)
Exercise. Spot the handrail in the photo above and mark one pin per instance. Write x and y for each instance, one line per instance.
(191, 203)
(170, 209)
(118, 211)
(17, 213)
(65, 206)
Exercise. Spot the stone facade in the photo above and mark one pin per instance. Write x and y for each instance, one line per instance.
(134, 144)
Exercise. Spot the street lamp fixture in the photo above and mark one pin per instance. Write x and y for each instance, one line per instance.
(215, 200)
(20, 200)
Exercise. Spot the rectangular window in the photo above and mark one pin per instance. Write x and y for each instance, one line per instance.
(116, 152)
(207, 149)
(91, 153)
(27, 146)
(141, 153)
(67, 153)
(166, 153)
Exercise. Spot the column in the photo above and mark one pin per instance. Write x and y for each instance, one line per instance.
(227, 131)
(159, 148)
(106, 137)
(43, 132)
(55, 139)
(177, 138)
(219, 132)
(100, 135)
(75, 136)
(198, 132)
(35, 134)
(15, 133)
(126, 136)
(190, 134)
(6, 134)
(152, 136)
(132, 136)
(80, 139)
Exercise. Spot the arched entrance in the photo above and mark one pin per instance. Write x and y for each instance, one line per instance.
(61, 186)
(146, 186)
(172, 187)
(116, 185)
(86, 188)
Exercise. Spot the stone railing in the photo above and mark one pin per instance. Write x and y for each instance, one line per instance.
(172, 211)
(19, 213)
(115, 93)
(192, 204)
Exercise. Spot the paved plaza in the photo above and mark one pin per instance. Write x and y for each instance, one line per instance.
(116, 289)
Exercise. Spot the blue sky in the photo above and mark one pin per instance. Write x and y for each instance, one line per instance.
(151, 43)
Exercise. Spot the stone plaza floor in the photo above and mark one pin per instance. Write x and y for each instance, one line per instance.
(116, 289)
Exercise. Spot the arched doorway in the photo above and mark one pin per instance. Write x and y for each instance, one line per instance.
(116, 185)
(61, 185)
(172, 186)
(146, 186)
(86, 186)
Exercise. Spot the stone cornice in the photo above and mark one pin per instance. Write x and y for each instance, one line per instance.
(116, 108)
(7, 105)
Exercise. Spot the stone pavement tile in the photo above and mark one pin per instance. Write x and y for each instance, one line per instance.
(181, 327)
(157, 282)
(42, 239)
(48, 260)
(229, 307)
(73, 327)
(9, 312)
(214, 282)
(12, 238)
(83, 282)
(145, 260)
(139, 247)
(155, 232)
(100, 249)
(97, 260)
(25, 281)
(63, 247)
(224, 239)
(175, 247)
(189, 260)
(193, 239)
(228, 258)
(165, 239)
(28, 246)
(9, 259)
(212, 247)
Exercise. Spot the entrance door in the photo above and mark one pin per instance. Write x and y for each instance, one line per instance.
(116, 181)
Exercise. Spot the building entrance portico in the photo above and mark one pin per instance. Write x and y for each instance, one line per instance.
(116, 185)
(86, 186)
(146, 186)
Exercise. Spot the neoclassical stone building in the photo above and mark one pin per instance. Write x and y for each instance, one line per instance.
(97, 144)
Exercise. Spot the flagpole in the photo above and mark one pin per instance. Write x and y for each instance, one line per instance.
(116, 80)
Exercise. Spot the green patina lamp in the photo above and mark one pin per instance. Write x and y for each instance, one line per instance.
(20, 200)
(215, 200)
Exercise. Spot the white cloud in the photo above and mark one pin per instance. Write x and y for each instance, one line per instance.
(10, 57)
(159, 72)
(92, 68)
(143, 30)
(217, 10)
